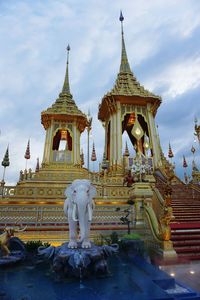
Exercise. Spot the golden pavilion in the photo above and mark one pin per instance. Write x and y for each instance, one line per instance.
(144, 188)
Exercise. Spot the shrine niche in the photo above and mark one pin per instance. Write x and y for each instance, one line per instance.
(137, 130)
(62, 146)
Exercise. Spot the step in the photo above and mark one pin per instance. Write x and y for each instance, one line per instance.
(185, 196)
(182, 204)
(186, 210)
(187, 215)
(185, 236)
(187, 205)
(187, 219)
(185, 243)
(180, 219)
(181, 226)
(193, 256)
(192, 249)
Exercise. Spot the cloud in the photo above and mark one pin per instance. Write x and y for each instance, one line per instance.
(162, 43)
(178, 78)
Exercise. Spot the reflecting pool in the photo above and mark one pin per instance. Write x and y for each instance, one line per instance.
(129, 279)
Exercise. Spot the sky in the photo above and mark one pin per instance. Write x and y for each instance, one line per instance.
(163, 47)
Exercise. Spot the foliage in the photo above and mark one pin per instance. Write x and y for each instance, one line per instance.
(131, 236)
(114, 238)
(107, 240)
(99, 240)
(32, 246)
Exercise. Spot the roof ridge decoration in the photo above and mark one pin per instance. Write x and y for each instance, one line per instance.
(126, 83)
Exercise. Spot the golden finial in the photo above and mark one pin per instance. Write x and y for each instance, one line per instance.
(124, 66)
(66, 87)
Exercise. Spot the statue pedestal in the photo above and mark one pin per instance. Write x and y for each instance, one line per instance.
(167, 251)
(142, 193)
(79, 262)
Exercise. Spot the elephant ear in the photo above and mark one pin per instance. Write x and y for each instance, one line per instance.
(68, 192)
(93, 191)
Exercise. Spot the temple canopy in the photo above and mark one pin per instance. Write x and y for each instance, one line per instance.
(126, 84)
(65, 107)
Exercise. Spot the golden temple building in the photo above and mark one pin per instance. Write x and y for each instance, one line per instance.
(144, 185)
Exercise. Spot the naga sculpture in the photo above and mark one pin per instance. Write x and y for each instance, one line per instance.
(6, 236)
(165, 219)
(78, 207)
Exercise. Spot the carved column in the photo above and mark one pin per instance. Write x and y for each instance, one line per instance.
(119, 134)
(153, 136)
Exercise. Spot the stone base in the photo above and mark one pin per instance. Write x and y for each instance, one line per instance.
(13, 258)
(79, 262)
(17, 252)
(166, 251)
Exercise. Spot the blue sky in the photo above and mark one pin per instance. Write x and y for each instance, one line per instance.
(163, 47)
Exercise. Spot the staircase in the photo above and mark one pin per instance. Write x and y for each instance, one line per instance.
(185, 228)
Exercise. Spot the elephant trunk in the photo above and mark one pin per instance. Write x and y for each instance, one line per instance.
(74, 212)
(89, 212)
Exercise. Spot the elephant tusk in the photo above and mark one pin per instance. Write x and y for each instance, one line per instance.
(89, 212)
(93, 205)
(20, 230)
(74, 213)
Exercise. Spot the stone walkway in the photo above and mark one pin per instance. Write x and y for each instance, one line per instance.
(188, 274)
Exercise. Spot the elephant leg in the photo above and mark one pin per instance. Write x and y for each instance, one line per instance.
(5, 250)
(85, 241)
(72, 234)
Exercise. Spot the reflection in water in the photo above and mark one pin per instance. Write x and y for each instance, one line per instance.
(127, 281)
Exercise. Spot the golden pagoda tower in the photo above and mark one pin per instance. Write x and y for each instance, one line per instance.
(37, 199)
(131, 108)
(38, 196)
(64, 123)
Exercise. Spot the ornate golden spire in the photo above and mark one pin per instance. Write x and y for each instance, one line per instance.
(126, 152)
(66, 87)
(124, 66)
(170, 153)
(64, 107)
(126, 83)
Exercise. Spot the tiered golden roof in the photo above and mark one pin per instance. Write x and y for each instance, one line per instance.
(126, 88)
(64, 108)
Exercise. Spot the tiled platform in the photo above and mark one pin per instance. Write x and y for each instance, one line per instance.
(188, 274)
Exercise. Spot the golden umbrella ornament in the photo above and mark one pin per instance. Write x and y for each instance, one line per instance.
(5, 162)
(27, 154)
(93, 156)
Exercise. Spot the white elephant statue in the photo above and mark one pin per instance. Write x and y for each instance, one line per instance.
(78, 207)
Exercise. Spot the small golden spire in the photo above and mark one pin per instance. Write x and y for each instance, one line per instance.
(124, 66)
(66, 87)
(126, 152)
(93, 157)
(185, 165)
(170, 152)
(37, 168)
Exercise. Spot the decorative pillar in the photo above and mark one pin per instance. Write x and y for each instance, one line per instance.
(74, 159)
(111, 140)
(153, 136)
(119, 134)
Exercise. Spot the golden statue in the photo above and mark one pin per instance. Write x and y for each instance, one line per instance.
(6, 236)
(165, 219)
